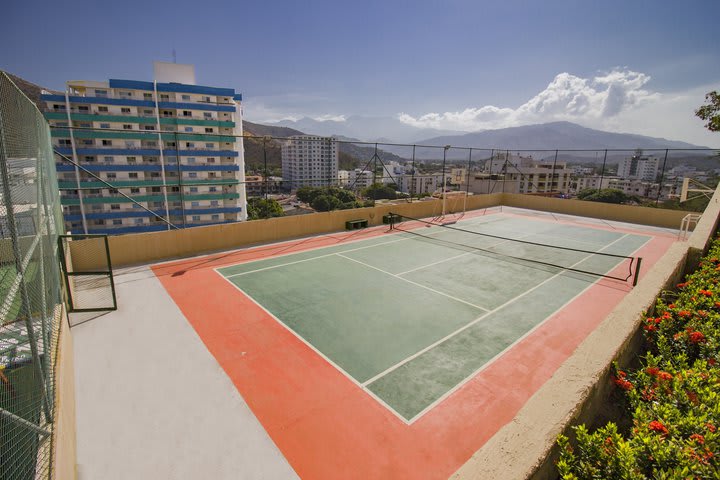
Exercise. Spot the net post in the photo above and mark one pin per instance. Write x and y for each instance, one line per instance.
(637, 271)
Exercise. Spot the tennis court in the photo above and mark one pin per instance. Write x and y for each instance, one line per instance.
(411, 315)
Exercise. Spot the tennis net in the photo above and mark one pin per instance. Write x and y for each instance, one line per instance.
(596, 263)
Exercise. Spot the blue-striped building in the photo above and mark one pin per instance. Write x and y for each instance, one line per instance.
(174, 148)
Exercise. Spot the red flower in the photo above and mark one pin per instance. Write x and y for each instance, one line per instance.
(711, 428)
(712, 362)
(652, 371)
(672, 305)
(717, 304)
(707, 293)
(696, 337)
(698, 438)
(682, 285)
(656, 426)
(664, 376)
(692, 396)
(624, 384)
(650, 328)
(685, 313)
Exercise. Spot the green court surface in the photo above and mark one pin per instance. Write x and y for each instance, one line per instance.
(412, 315)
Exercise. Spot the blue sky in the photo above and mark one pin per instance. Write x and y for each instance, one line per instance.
(639, 66)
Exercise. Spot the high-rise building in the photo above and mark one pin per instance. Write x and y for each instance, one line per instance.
(173, 147)
(309, 161)
(638, 167)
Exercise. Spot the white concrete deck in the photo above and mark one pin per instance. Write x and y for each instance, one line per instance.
(152, 402)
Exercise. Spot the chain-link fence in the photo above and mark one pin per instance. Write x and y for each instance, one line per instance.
(30, 289)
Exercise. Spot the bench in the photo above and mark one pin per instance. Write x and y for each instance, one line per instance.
(356, 224)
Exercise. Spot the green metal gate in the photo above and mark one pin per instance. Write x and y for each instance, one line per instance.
(87, 269)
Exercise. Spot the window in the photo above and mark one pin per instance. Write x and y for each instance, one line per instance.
(169, 144)
(164, 97)
(215, 217)
(138, 221)
(126, 94)
(149, 127)
(192, 174)
(147, 112)
(191, 160)
(127, 126)
(155, 190)
(125, 110)
(196, 218)
(167, 113)
(210, 146)
(64, 142)
(117, 221)
(193, 189)
(147, 96)
(212, 189)
(111, 175)
(107, 143)
(211, 160)
(58, 107)
(194, 204)
(186, 97)
(207, 114)
(209, 130)
(188, 129)
(133, 175)
(187, 113)
(129, 144)
(104, 125)
(89, 142)
(131, 160)
(83, 109)
(115, 206)
(102, 109)
(101, 93)
(135, 190)
(214, 203)
(108, 159)
(189, 145)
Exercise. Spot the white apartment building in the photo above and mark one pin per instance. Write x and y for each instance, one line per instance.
(419, 184)
(531, 175)
(173, 146)
(595, 182)
(638, 167)
(359, 179)
(309, 161)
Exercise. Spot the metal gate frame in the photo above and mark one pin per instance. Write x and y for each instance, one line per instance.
(67, 274)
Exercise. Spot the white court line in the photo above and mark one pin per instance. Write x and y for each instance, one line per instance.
(410, 281)
(461, 255)
(322, 355)
(465, 327)
(404, 238)
(499, 354)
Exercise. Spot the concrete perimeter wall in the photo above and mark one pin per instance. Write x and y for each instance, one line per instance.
(139, 248)
(64, 441)
(579, 391)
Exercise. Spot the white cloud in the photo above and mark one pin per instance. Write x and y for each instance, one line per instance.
(330, 118)
(595, 102)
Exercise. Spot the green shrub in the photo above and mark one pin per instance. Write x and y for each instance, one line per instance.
(673, 399)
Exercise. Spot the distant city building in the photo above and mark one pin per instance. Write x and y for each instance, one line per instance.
(579, 170)
(358, 179)
(491, 183)
(255, 185)
(419, 184)
(343, 176)
(531, 175)
(636, 188)
(596, 182)
(458, 176)
(638, 167)
(191, 175)
(309, 161)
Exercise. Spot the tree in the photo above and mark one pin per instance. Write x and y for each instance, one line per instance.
(711, 112)
(325, 203)
(308, 194)
(606, 195)
(377, 191)
(263, 208)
